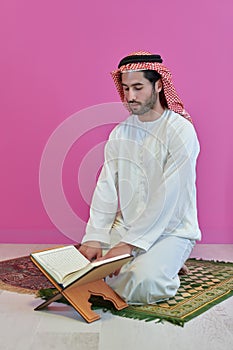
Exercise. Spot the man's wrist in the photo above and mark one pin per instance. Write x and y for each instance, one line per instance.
(134, 251)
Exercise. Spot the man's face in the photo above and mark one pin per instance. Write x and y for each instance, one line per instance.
(139, 93)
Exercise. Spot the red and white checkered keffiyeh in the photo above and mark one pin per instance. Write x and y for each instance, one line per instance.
(173, 101)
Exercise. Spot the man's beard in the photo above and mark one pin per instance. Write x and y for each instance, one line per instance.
(142, 108)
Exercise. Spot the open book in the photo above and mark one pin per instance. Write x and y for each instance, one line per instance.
(67, 265)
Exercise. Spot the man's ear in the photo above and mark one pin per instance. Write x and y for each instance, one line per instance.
(158, 85)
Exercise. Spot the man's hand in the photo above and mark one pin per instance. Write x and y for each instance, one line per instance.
(91, 250)
(119, 249)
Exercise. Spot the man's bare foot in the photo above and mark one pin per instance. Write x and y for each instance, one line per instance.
(184, 270)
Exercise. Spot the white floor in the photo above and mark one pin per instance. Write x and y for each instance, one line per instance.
(61, 327)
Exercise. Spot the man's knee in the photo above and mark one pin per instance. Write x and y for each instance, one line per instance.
(148, 290)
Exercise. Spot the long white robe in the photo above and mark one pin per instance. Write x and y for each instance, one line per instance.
(147, 185)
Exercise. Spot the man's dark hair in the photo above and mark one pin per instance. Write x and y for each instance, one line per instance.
(154, 76)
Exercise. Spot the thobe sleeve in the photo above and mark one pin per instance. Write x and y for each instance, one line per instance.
(171, 193)
(104, 203)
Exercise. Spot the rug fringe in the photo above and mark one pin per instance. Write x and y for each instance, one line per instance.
(15, 289)
(140, 317)
(47, 293)
(147, 318)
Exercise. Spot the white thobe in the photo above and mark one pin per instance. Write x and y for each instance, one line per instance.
(147, 185)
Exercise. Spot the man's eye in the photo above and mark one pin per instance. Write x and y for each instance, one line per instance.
(138, 88)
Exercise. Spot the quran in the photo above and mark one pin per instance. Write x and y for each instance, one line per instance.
(66, 265)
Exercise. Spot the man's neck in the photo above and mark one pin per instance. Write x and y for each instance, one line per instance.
(152, 115)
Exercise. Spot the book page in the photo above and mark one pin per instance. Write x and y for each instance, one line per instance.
(106, 261)
(61, 261)
(97, 270)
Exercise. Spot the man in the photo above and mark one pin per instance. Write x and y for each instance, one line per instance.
(145, 199)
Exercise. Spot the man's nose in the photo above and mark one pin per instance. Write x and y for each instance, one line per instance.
(131, 95)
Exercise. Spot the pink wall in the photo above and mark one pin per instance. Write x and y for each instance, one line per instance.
(55, 60)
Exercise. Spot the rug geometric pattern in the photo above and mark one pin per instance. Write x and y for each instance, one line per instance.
(207, 284)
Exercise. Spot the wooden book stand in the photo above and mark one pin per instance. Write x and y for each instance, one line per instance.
(79, 293)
